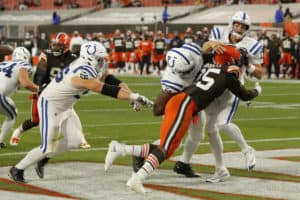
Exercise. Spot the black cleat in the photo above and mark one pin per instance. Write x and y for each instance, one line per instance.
(137, 163)
(39, 167)
(17, 175)
(184, 169)
(2, 145)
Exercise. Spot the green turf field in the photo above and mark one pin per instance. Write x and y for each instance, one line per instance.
(271, 122)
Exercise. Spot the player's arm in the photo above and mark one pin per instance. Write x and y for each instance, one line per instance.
(109, 90)
(160, 102)
(41, 71)
(256, 70)
(213, 45)
(112, 80)
(25, 81)
(235, 86)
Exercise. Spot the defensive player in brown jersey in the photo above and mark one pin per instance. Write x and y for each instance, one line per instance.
(52, 61)
(180, 109)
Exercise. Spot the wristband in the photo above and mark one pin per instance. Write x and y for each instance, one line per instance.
(133, 96)
(251, 69)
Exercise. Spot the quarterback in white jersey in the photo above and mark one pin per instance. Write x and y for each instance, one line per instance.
(13, 75)
(220, 112)
(55, 105)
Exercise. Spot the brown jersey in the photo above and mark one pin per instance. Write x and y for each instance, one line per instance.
(213, 82)
(54, 64)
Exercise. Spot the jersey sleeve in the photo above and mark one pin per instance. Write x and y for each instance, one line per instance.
(255, 51)
(235, 86)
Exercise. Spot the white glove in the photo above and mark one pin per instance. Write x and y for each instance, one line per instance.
(138, 100)
(257, 87)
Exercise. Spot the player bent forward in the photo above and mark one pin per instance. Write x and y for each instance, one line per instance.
(56, 102)
(178, 114)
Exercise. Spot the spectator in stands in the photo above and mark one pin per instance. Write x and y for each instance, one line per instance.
(28, 42)
(136, 3)
(106, 3)
(176, 42)
(188, 36)
(279, 15)
(55, 18)
(58, 3)
(43, 42)
(73, 4)
(165, 15)
(288, 16)
(23, 6)
(2, 7)
(274, 55)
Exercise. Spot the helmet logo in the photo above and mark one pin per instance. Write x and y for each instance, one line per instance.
(91, 49)
(171, 61)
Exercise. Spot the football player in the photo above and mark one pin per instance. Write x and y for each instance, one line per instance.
(13, 74)
(56, 104)
(179, 111)
(220, 112)
(174, 80)
(52, 61)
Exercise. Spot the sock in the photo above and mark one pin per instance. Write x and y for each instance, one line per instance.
(150, 165)
(216, 146)
(31, 158)
(137, 150)
(235, 134)
(6, 127)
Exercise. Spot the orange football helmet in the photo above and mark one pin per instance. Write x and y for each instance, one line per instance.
(60, 44)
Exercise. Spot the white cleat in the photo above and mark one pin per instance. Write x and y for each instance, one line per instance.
(14, 141)
(135, 183)
(250, 158)
(115, 150)
(219, 176)
(85, 146)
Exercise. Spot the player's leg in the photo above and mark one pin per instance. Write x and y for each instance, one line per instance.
(195, 136)
(27, 124)
(49, 132)
(7, 108)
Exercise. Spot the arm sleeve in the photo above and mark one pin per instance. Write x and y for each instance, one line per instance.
(40, 74)
(235, 86)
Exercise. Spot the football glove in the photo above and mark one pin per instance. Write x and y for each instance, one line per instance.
(137, 101)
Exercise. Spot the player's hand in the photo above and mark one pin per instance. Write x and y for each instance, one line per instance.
(140, 100)
(257, 87)
(219, 48)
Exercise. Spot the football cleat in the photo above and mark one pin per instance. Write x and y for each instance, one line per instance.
(17, 174)
(39, 167)
(115, 150)
(135, 183)
(219, 176)
(2, 145)
(184, 169)
(137, 163)
(250, 158)
(14, 141)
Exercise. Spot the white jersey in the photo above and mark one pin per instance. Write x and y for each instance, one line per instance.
(253, 47)
(9, 76)
(172, 82)
(61, 92)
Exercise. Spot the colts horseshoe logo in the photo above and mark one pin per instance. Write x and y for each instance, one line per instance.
(91, 49)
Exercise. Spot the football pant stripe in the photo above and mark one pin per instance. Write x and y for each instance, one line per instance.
(233, 109)
(177, 122)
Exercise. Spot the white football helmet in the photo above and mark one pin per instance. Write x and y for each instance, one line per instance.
(21, 54)
(93, 53)
(181, 62)
(195, 51)
(243, 18)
